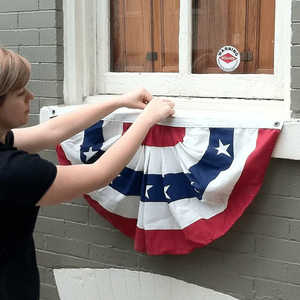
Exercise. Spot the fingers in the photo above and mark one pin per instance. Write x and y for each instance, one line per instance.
(145, 96)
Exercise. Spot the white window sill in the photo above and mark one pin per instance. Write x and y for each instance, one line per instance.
(288, 143)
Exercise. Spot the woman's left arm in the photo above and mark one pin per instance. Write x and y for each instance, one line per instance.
(54, 131)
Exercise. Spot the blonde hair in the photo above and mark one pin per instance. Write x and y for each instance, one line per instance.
(14, 72)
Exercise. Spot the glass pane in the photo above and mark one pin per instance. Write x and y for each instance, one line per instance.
(144, 35)
(244, 25)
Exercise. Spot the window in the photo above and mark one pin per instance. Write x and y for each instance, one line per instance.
(144, 35)
(247, 25)
(94, 67)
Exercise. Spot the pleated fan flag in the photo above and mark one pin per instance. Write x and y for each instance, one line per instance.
(190, 180)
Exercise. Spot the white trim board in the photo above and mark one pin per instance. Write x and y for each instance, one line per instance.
(122, 284)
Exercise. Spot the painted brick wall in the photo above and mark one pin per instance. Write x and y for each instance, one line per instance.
(257, 259)
(33, 28)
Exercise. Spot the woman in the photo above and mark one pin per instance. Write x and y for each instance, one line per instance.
(27, 181)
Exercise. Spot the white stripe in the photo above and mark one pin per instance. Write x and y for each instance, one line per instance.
(116, 203)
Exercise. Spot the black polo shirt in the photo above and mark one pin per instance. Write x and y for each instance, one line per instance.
(24, 179)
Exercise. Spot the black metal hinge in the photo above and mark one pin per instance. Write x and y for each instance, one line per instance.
(246, 56)
(151, 56)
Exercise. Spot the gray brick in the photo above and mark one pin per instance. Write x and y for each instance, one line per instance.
(264, 225)
(295, 100)
(234, 241)
(33, 120)
(80, 201)
(50, 4)
(284, 167)
(49, 155)
(295, 11)
(51, 36)
(42, 54)
(48, 259)
(49, 292)
(76, 262)
(46, 88)
(96, 220)
(275, 290)
(54, 227)
(39, 19)
(95, 235)
(295, 78)
(50, 101)
(295, 187)
(294, 273)
(276, 184)
(295, 34)
(9, 21)
(34, 106)
(17, 5)
(179, 266)
(113, 257)
(67, 246)
(254, 266)
(35, 71)
(276, 206)
(234, 284)
(39, 240)
(295, 230)
(295, 56)
(281, 250)
(47, 276)
(19, 37)
(67, 211)
(51, 71)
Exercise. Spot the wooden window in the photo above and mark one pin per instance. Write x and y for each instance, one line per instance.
(145, 35)
(247, 25)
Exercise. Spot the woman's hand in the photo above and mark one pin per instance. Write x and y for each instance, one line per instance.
(138, 98)
(157, 110)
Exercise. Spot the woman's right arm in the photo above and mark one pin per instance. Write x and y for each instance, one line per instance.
(74, 181)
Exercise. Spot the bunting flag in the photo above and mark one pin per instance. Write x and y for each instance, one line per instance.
(190, 180)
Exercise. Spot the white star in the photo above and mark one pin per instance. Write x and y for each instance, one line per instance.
(165, 190)
(148, 187)
(222, 149)
(90, 153)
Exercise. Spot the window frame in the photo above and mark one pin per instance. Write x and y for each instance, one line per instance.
(87, 63)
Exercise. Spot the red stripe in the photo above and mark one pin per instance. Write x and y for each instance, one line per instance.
(61, 156)
(161, 136)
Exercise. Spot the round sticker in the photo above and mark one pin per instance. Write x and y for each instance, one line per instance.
(228, 58)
